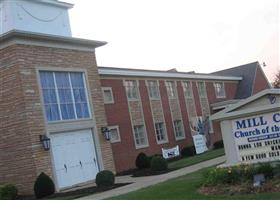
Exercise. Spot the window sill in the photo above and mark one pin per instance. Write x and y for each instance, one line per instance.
(109, 102)
(220, 97)
(180, 138)
(162, 142)
(69, 121)
(142, 146)
(133, 99)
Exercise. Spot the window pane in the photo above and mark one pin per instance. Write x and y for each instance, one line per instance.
(49, 96)
(79, 93)
(65, 95)
(82, 110)
(77, 80)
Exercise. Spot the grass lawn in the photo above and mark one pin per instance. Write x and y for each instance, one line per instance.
(196, 159)
(185, 187)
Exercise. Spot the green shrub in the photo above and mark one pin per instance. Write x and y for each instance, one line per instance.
(8, 192)
(105, 178)
(219, 144)
(246, 171)
(221, 176)
(188, 151)
(264, 168)
(158, 163)
(43, 186)
(276, 169)
(142, 161)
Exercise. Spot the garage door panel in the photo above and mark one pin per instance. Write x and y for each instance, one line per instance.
(73, 156)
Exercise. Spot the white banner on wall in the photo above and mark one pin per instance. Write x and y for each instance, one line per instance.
(199, 143)
(257, 138)
(170, 153)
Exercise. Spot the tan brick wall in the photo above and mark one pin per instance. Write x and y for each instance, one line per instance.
(157, 110)
(136, 112)
(22, 107)
(175, 109)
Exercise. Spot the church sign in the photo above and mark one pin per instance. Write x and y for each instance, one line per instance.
(257, 138)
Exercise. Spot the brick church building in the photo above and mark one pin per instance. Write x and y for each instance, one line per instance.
(51, 87)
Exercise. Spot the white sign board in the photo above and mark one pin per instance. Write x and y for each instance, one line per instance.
(170, 153)
(257, 138)
(199, 143)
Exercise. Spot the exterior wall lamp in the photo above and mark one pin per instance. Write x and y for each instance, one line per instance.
(46, 142)
(106, 133)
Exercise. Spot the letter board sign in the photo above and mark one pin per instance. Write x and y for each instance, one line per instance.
(257, 138)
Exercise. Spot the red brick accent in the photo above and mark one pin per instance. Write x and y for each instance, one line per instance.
(260, 82)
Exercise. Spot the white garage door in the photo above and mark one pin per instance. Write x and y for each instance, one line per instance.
(74, 157)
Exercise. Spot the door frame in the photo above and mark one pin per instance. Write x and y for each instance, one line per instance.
(53, 162)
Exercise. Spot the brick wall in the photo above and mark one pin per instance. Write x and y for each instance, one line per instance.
(22, 119)
(260, 82)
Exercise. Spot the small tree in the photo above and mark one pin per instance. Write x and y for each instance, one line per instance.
(276, 81)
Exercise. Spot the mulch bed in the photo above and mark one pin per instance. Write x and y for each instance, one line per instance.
(79, 192)
(242, 188)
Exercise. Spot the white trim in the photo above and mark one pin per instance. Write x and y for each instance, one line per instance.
(152, 111)
(162, 74)
(118, 132)
(57, 95)
(145, 135)
(182, 127)
(148, 89)
(175, 89)
(103, 93)
(223, 88)
(211, 130)
(137, 90)
(243, 102)
(183, 86)
(143, 119)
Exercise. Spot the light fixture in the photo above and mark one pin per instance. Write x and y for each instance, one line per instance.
(106, 132)
(46, 142)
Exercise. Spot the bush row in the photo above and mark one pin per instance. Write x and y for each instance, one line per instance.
(155, 163)
(238, 174)
(8, 192)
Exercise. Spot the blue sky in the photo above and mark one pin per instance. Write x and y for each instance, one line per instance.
(190, 35)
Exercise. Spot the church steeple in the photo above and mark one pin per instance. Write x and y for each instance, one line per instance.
(37, 16)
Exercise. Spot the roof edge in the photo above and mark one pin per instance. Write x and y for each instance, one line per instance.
(164, 74)
(31, 37)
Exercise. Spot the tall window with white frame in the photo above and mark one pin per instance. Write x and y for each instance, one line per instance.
(220, 89)
(171, 89)
(178, 127)
(140, 136)
(64, 95)
(131, 89)
(187, 87)
(153, 89)
(201, 89)
(160, 133)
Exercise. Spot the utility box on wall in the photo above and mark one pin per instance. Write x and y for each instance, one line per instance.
(251, 128)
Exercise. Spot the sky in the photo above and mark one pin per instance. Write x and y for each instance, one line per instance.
(189, 35)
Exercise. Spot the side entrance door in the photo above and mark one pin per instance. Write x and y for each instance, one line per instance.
(74, 157)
